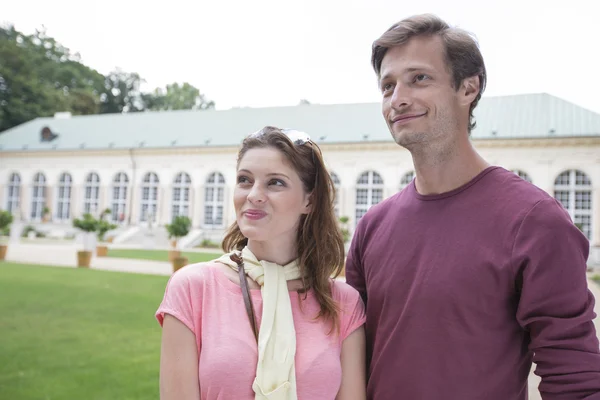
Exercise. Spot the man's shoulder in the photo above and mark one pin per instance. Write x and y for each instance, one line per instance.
(515, 193)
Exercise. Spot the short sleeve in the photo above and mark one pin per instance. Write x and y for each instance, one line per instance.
(183, 296)
(352, 308)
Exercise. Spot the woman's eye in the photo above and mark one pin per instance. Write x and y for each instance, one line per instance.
(277, 182)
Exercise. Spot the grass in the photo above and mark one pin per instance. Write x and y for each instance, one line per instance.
(78, 334)
(161, 255)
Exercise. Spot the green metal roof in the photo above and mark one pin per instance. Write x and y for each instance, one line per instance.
(518, 116)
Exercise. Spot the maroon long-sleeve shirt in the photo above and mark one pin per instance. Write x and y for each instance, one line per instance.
(464, 289)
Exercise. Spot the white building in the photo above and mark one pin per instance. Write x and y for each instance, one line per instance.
(154, 165)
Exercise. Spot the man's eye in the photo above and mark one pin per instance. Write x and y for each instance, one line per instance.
(387, 87)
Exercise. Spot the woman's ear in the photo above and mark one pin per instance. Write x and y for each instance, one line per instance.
(308, 203)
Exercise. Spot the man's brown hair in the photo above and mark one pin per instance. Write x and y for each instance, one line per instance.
(463, 57)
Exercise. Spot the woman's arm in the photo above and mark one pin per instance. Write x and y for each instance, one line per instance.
(178, 362)
(354, 367)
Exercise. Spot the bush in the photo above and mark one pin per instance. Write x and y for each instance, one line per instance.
(87, 224)
(180, 227)
(207, 243)
(6, 219)
(26, 230)
(102, 227)
(344, 228)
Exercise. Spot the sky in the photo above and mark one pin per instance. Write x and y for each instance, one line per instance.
(264, 53)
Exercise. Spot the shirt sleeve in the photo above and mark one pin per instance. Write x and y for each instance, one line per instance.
(556, 306)
(182, 297)
(352, 309)
(355, 274)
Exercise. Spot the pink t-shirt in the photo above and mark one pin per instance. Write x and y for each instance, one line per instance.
(212, 307)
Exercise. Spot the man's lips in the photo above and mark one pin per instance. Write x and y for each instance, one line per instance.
(406, 117)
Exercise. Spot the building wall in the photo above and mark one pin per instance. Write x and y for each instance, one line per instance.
(543, 160)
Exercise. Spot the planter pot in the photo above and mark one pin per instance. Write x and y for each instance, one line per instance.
(110, 239)
(84, 258)
(101, 251)
(174, 243)
(3, 249)
(45, 218)
(174, 254)
(179, 262)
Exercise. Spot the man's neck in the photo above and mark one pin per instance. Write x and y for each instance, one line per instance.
(441, 170)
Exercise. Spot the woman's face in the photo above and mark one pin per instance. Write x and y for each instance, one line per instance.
(269, 197)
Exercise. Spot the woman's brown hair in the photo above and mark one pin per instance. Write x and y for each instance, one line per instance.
(319, 239)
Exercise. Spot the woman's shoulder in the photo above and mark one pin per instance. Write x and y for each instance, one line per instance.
(343, 292)
(195, 273)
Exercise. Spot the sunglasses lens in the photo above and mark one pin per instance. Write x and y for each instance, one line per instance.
(296, 137)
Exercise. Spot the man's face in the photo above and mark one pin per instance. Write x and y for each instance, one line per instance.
(420, 104)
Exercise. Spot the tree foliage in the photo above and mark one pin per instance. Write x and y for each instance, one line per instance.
(39, 77)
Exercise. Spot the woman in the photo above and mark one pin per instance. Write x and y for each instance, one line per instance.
(297, 334)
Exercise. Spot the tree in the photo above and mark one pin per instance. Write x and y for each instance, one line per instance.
(39, 77)
(122, 93)
(178, 97)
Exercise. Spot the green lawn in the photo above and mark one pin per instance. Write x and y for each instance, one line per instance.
(69, 334)
(161, 255)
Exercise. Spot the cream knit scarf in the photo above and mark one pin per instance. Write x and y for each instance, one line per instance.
(275, 371)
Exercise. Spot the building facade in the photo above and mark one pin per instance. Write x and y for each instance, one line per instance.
(160, 173)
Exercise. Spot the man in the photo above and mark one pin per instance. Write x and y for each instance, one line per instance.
(470, 272)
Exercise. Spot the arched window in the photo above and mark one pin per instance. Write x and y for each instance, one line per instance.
(181, 195)
(38, 197)
(13, 197)
(574, 191)
(92, 193)
(119, 197)
(63, 201)
(214, 198)
(369, 191)
(149, 201)
(406, 179)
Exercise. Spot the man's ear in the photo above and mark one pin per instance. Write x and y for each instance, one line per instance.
(469, 90)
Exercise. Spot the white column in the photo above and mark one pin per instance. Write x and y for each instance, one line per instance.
(192, 209)
(596, 216)
(228, 209)
(198, 217)
(166, 198)
(25, 201)
(4, 196)
(134, 209)
(76, 204)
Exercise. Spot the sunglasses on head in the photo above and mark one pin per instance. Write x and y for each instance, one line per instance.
(296, 137)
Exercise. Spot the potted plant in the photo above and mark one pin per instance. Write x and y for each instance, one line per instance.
(179, 262)
(45, 214)
(88, 224)
(179, 228)
(6, 219)
(102, 227)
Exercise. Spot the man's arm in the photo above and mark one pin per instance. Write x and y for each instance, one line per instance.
(556, 306)
(355, 275)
